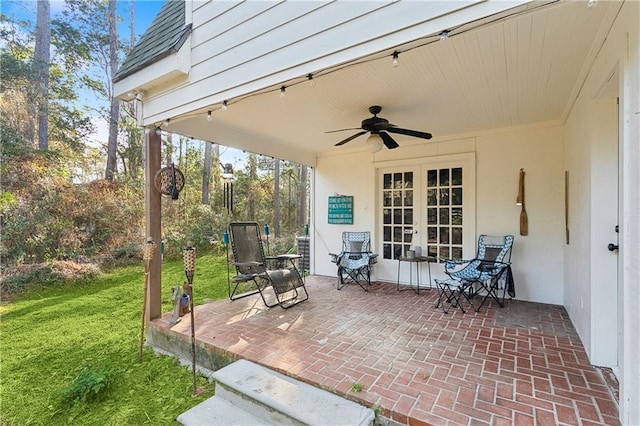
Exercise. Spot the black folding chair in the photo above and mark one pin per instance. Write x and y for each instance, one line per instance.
(260, 272)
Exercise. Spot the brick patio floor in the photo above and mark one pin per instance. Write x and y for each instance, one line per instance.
(522, 364)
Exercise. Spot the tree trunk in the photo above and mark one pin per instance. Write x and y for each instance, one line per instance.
(253, 178)
(114, 114)
(135, 134)
(132, 26)
(169, 149)
(216, 174)
(206, 172)
(303, 196)
(277, 214)
(42, 59)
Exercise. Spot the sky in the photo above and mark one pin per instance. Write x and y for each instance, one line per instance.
(145, 12)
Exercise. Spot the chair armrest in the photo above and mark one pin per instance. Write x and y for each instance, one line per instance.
(286, 257)
(455, 261)
(247, 264)
(452, 263)
(280, 261)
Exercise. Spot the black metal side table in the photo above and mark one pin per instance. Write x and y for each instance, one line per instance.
(415, 260)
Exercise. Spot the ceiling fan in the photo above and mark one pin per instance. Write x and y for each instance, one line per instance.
(380, 126)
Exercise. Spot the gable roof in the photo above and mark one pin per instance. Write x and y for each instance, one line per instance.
(165, 36)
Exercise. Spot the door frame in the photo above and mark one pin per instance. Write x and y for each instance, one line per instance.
(389, 272)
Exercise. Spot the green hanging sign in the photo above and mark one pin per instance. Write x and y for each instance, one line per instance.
(341, 209)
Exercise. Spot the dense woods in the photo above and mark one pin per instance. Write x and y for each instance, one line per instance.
(67, 196)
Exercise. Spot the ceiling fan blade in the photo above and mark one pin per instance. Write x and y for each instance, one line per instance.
(388, 140)
(342, 142)
(414, 133)
(343, 130)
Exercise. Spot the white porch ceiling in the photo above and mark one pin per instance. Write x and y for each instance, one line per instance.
(516, 71)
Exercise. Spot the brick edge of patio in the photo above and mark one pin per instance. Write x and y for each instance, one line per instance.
(212, 358)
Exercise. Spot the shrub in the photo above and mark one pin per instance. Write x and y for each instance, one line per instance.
(45, 216)
(89, 385)
(18, 278)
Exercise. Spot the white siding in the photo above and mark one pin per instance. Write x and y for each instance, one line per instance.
(238, 48)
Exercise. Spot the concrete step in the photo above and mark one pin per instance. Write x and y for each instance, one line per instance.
(277, 399)
(217, 411)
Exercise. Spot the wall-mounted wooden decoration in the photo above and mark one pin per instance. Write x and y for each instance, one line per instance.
(566, 205)
(524, 219)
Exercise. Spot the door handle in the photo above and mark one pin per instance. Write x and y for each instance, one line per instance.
(613, 247)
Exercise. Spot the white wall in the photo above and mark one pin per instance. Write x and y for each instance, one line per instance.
(347, 174)
(537, 258)
(588, 299)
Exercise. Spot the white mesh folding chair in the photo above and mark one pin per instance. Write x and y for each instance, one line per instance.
(355, 260)
(485, 275)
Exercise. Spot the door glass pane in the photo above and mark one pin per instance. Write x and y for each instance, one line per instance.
(386, 181)
(444, 216)
(432, 216)
(408, 198)
(408, 235)
(386, 251)
(397, 216)
(456, 176)
(386, 231)
(397, 234)
(432, 178)
(432, 235)
(397, 180)
(456, 196)
(444, 252)
(386, 198)
(397, 198)
(444, 177)
(456, 252)
(432, 197)
(386, 216)
(408, 216)
(456, 216)
(456, 235)
(444, 196)
(432, 251)
(408, 180)
(444, 235)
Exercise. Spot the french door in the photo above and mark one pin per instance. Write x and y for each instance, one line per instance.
(427, 207)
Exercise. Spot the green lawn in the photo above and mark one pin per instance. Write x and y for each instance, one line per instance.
(49, 335)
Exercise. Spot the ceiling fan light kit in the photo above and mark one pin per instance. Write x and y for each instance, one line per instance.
(375, 143)
(380, 128)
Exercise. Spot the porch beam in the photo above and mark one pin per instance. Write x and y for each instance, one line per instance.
(153, 219)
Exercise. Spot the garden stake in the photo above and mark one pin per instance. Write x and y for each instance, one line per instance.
(225, 240)
(266, 233)
(147, 255)
(189, 259)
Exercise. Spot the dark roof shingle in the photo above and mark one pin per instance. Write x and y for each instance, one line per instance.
(165, 36)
